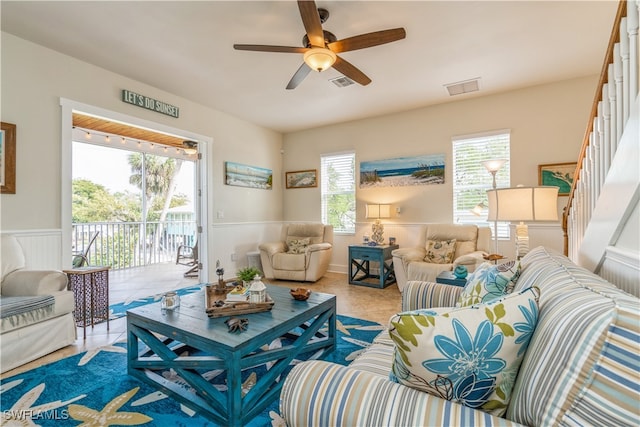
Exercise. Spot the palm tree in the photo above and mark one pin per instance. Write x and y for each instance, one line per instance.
(159, 184)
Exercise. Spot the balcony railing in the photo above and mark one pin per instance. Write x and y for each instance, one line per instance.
(132, 244)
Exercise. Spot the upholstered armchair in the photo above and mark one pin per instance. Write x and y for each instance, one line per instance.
(302, 254)
(442, 247)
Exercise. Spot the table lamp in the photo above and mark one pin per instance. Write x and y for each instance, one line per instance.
(378, 211)
(532, 204)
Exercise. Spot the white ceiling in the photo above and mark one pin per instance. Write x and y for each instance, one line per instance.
(186, 48)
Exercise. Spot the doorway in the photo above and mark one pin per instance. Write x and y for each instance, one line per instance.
(155, 216)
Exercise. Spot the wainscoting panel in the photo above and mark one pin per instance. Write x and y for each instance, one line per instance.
(42, 248)
(622, 268)
(234, 240)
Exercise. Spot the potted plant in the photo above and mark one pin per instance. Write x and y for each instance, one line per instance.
(247, 274)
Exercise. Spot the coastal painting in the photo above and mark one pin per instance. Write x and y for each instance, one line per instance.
(403, 171)
(558, 175)
(248, 176)
(302, 179)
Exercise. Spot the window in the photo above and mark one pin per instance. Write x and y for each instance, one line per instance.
(338, 190)
(471, 179)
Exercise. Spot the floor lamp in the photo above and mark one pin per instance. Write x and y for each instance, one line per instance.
(532, 204)
(493, 166)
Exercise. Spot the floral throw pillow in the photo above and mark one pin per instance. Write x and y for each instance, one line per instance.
(297, 246)
(440, 251)
(468, 355)
(489, 282)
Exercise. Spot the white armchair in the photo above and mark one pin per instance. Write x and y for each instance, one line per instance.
(37, 309)
(472, 243)
(302, 254)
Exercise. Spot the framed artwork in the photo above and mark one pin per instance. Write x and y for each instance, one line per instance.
(558, 175)
(403, 171)
(248, 176)
(8, 159)
(302, 179)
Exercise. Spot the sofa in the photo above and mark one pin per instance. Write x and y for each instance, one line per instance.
(470, 244)
(37, 309)
(581, 366)
(302, 254)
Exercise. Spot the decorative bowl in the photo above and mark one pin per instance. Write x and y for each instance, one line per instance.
(300, 294)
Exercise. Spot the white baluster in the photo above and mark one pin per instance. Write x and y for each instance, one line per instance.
(593, 196)
(617, 75)
(624, 64)
(612, 109)
(585, 187)
(633, 13)
(597, 146)
(606, 131)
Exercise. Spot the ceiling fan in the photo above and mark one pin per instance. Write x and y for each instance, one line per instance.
(321, 47)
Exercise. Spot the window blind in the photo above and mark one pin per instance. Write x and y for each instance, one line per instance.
(338, 191)
(471, 179)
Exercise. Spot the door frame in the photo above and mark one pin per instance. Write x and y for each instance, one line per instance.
(201, 195)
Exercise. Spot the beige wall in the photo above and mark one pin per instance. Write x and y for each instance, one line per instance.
(547, 124)
(33, 81)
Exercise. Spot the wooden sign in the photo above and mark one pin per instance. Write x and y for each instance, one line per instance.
(149, 103)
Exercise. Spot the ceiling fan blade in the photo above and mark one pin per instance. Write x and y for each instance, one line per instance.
(311, 21)
(299, 76)
(368, 40)
(350, 71)
(267, 48)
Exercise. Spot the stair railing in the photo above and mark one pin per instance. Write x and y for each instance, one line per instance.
(617, 89)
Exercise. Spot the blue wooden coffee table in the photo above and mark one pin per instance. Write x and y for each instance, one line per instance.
(149, 354)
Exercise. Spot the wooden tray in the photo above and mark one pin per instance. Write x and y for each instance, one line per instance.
(231, 308)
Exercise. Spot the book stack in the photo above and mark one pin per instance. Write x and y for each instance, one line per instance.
(238, 294)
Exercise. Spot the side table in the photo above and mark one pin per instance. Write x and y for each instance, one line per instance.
(90, 286)
(360, 259)
(448, 278)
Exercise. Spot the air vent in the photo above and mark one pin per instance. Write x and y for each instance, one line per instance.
(465, 86)
(341, 81)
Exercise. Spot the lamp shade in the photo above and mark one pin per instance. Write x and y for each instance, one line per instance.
(494, 165)
(378, 211)
(319, 59)
(523, 204)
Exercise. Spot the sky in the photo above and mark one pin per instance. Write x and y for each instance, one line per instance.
(109, 167)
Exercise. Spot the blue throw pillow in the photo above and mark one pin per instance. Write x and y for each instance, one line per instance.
(489, 282)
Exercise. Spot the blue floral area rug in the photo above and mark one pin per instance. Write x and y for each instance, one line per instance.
(94, 389)
(120, 309)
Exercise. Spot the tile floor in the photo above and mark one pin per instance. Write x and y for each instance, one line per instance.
(356, 301)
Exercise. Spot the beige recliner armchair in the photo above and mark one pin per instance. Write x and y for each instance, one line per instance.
(302, 254)
(417, 263)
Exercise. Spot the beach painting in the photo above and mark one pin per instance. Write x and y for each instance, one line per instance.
(403, 171)
(558, 175)
(248, 176)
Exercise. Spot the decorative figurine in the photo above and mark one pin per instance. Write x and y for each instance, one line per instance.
(221, 287)
(460, 272)
(237, 324)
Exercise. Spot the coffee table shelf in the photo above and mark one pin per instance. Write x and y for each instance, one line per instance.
(153, 335)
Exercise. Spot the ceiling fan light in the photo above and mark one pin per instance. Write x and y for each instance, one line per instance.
(319, 59)
(190, 147)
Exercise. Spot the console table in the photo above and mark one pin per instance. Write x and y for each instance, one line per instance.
(360, 259)
(90, 286)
